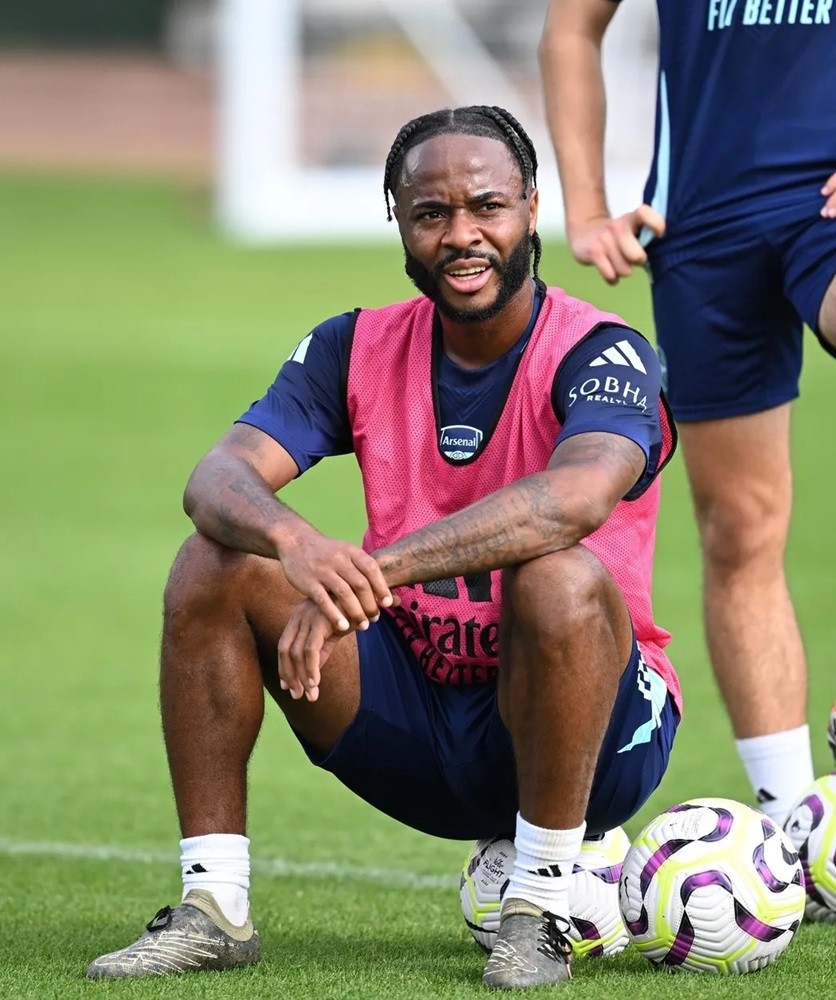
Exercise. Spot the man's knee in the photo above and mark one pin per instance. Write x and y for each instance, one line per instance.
(208, 578)
(558, 594)
(198, 574)
(744, 528)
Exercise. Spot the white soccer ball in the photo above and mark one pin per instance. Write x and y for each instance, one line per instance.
(596, 927)
(712, 885)
(811, 826)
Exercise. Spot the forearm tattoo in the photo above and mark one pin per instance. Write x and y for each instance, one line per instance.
(542, 513)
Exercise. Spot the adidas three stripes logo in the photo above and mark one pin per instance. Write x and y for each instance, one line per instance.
(622, 353)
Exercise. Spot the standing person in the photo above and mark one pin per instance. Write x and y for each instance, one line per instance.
(738, 234)
(488, 660)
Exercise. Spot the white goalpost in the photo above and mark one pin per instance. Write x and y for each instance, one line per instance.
(267, 191)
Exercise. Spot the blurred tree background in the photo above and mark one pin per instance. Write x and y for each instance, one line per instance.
(82, 22)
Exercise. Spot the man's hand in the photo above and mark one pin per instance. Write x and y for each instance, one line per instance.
(342, 580)
(829, 191)
(305, 645)
(612, 245)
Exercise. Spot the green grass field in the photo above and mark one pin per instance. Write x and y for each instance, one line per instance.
(131, 336)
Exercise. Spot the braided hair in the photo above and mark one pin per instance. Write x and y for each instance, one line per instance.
(477, 119)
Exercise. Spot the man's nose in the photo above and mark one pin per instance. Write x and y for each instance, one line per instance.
(462, 231)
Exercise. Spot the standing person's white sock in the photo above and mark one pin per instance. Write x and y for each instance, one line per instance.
(545, 859)
(780, 768)
(220, 864)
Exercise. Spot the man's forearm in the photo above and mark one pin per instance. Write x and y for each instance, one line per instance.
(517, 523)
(573, 88)
(230, 502)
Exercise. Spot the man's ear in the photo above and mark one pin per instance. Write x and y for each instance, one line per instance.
(533, 206)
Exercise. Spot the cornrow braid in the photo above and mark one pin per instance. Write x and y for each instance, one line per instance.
(476, 119)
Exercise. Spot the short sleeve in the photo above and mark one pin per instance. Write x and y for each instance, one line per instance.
(611, 382)
(305, 407)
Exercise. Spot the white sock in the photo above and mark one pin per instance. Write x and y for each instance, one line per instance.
(780, 768)
(545, 859)
(219, 863)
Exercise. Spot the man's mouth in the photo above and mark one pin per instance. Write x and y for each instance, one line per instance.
(466, 278)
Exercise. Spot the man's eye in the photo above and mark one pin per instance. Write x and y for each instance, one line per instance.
(490, 206)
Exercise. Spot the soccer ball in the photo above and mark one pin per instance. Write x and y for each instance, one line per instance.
(811, 826)
(595, 922)
(712, 885)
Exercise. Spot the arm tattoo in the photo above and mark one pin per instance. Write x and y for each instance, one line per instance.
(229, 500)
(541, 513)
(595, 448)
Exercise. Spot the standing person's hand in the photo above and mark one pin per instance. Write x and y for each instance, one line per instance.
(829, 192)
(342, 580)
(612, 245)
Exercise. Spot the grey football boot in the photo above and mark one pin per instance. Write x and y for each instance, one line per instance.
(831, 730)
(532, 948)
(193, 937)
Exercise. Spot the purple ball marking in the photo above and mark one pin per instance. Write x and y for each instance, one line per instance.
(587, 930)
(640, 925)
(702, 879)
(813, 893)
(609, 875)
(767, 876)
(657, 859)
(681, 947)
(816, 807)
(754, 927)
(682, 943)
(724, 824)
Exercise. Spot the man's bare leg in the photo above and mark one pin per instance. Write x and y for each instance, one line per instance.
(569, 640)
(224, 613)
(566, 639)
(741, 482)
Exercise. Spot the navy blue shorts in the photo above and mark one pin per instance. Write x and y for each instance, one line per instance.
(439, 759)
(729, 314)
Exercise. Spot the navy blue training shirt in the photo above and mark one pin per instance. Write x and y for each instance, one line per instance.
(746, 109)
(609, 382)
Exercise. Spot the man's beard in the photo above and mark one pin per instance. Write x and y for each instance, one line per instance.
(511, 276)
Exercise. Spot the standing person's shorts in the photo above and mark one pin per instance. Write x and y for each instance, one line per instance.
(438, 758)
(729, 314)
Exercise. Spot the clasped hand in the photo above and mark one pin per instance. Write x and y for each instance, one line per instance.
(344, 590)
(306, 643)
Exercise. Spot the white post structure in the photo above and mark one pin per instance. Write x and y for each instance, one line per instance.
(264, 194)
(258, 104)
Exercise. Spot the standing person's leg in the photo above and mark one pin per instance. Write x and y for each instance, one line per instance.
(809, 260)
(565, 640)
(741, 483)
(731, 343)
(224, 613)
(827, 314)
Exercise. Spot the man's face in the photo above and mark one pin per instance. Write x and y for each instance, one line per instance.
(465, 224)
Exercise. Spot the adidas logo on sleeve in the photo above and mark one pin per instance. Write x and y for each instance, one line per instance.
(621, 353)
